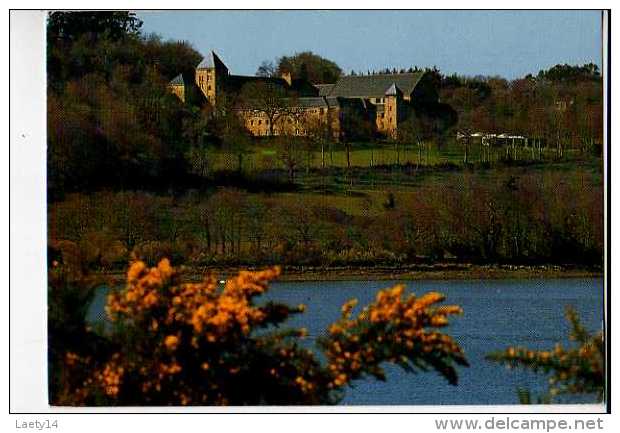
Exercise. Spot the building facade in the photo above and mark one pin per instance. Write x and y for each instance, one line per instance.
(298, 107)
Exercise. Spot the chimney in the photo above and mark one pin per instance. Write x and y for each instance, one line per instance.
(286, 76)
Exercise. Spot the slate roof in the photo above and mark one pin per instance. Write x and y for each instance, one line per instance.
(304, 88)
(304, 102)
(393, 90)
(364, 86)
(311, 102)
(178, 80)
(324, 89)
(209, 61)
(234, 83)
(206, 63)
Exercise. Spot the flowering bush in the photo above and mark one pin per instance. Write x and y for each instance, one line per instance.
(394, 330)
(577, 370)
(180, 343)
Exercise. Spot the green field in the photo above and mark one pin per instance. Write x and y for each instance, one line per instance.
(265, 157)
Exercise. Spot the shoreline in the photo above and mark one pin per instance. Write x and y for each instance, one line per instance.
(405, 273)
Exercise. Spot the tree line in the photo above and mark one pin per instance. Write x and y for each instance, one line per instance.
(563, 105)
(536, 218)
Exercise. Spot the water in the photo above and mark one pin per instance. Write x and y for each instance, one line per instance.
(497, 314)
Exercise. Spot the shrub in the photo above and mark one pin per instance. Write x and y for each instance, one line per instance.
(176, 343)
(577, 370)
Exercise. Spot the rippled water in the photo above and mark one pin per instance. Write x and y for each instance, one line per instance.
(498, 313)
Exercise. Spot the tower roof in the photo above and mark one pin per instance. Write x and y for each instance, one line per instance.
(209, 61)
(178, 80)
(206, 63)
(393, 90)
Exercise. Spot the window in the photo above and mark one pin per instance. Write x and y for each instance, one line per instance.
(209, 87)
(260, 122)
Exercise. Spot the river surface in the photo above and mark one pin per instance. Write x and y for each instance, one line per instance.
(497, 313)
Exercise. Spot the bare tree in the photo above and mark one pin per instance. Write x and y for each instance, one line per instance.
(319, 131)
(227, 219)
(290, 152)
(355, 126)
(409, 132)
(269, 99)
(266, 69)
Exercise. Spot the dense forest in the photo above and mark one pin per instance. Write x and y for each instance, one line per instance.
(130, 168)
(111, 120)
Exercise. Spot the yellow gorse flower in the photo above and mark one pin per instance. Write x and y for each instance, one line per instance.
(211, 313)
(206, 327)
(394, 321)
(171, 342)
(348, 307)
(110, 378)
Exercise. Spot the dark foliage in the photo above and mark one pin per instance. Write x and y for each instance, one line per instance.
(305, 65)
(111, 120)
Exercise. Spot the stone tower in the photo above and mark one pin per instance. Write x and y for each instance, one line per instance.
(211, 73)
(392, 95)
(177, 87)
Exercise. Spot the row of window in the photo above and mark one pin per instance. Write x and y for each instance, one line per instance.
(264, 132)
(277, 132)
(314, 110)
(260, 122)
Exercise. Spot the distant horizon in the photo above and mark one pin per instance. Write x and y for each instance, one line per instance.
(507, 44)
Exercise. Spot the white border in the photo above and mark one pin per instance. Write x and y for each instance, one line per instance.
(28, 216)
(28, 213)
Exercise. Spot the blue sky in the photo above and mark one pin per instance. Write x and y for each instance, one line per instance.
(506, 43)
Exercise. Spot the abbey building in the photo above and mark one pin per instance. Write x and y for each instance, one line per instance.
(277, 106)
